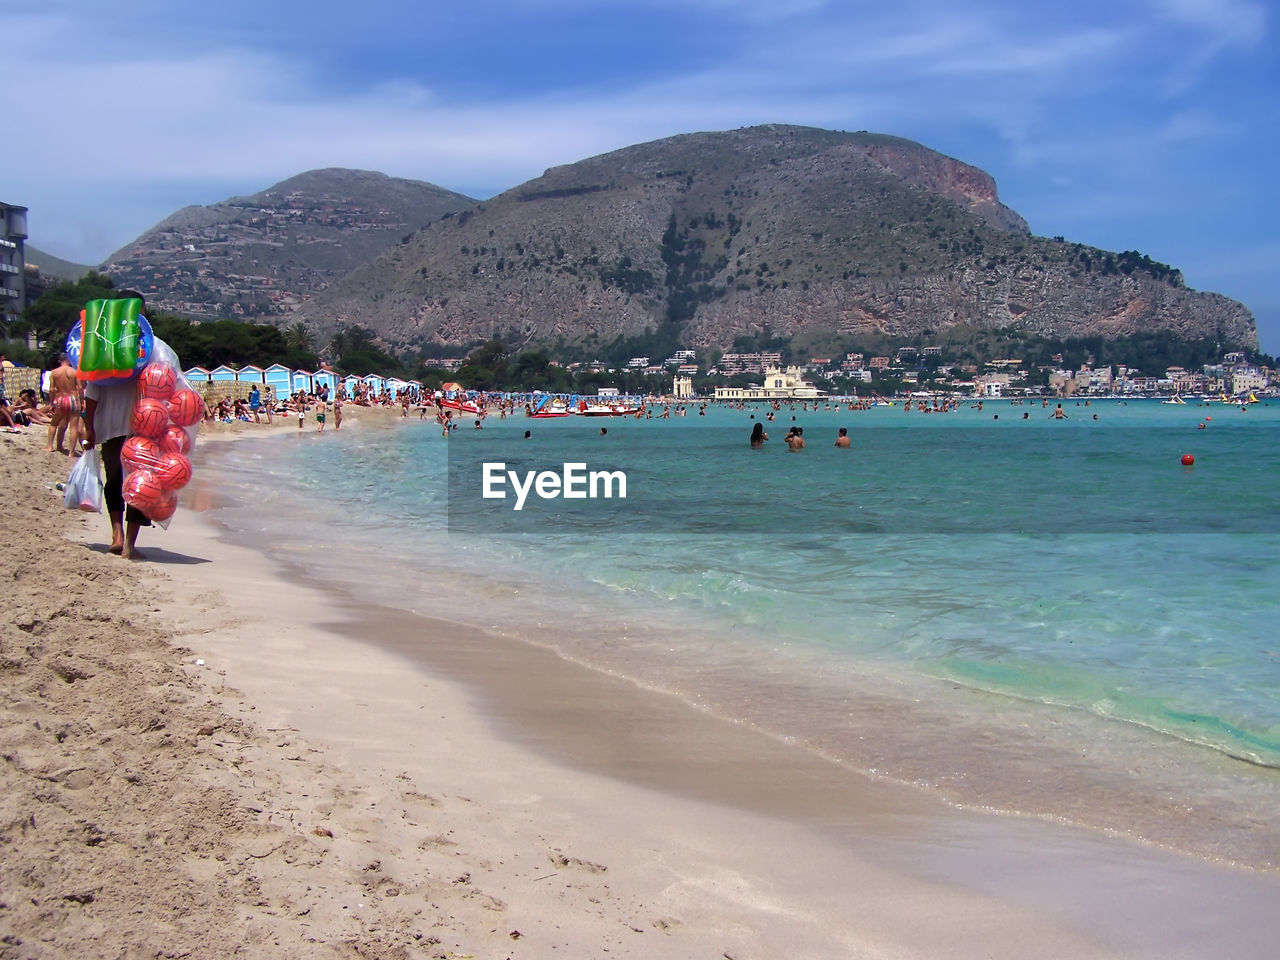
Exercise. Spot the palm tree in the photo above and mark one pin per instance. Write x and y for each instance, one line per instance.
(350, 339)
(297, 336)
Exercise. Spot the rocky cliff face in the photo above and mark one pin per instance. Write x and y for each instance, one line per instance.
(972, 188)
(1048, 303)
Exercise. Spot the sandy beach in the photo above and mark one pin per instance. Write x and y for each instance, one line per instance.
(207, 755)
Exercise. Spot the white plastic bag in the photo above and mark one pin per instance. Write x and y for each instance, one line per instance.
(84, 484)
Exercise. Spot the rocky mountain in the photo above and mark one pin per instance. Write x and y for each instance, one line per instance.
(263, 255)
(775, 229)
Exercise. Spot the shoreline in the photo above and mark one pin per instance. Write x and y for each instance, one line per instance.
(414, 765)
(977, 749)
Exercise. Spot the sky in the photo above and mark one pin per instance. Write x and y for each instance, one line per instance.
(1149, 125)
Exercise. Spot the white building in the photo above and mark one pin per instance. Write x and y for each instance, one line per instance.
(1247, 380)
(778, 385)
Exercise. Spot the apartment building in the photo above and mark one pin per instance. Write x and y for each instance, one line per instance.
(13, 234)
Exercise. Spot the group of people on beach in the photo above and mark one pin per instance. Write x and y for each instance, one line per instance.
(262, 406)
(58, 411)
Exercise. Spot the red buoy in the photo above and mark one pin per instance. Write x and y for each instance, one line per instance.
(1188, 459)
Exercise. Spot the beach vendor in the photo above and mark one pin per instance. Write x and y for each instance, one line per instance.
(108, 407)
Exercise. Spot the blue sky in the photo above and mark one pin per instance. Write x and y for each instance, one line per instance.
(1132, 124)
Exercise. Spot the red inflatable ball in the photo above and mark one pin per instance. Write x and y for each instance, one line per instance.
(143, 490)
(186, 407)
(173, 471)
(150, 418)
(175, 440)
(164, 510)
(157, 381)
(1188, 460)
(139, 453)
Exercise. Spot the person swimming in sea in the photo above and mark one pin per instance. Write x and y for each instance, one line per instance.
(758, 436)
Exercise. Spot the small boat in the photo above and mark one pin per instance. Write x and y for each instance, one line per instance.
(462, 406)
(547, 409)
(1174, 399)
(605, 410)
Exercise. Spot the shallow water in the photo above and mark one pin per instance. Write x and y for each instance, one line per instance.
(1048, 617)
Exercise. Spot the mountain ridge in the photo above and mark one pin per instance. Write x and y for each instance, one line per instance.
(768, 231)
(773, 230)
(260, 255)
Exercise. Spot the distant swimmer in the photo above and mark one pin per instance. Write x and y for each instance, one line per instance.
(1059, 413)
(842, 439)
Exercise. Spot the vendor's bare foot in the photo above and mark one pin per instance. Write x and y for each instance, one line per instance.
(133, 553)
(116, 548)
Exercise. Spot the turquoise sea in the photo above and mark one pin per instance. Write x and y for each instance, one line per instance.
(1048, 617)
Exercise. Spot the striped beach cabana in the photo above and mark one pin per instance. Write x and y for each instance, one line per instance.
(279, 378)
(376, 383)
(395, 385)
(250, 373)
(196, 376)
(300, 380)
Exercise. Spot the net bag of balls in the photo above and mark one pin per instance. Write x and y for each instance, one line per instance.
(162, 432)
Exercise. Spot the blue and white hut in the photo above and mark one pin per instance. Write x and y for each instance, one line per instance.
(222, 374)
(280, 379)
(351, 386)
(300, 380)
(394, 386)
(197, 376)
(376, 383)
(325, 377)
(250, 373)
